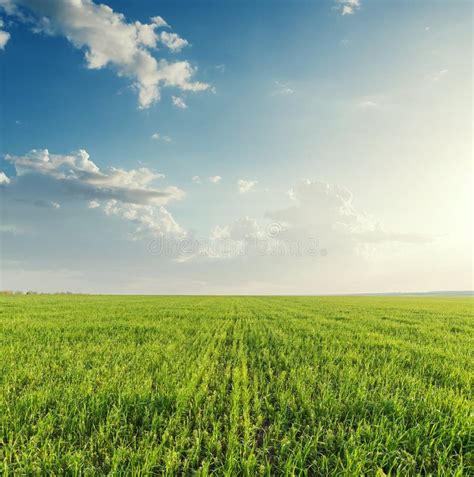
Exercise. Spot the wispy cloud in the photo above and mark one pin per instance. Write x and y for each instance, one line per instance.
(179, 102)
(282, 89)
(439, 75)
(159, 137)
(372, 102)
(10, 229)
(214, 179)
(367, 104)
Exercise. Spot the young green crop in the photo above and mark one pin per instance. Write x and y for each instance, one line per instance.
(94, 385)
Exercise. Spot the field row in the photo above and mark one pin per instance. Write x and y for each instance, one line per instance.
(236, 385)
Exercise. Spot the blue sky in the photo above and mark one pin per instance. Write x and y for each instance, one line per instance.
(296, 99)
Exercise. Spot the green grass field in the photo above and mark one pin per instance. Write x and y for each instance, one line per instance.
(236, 385)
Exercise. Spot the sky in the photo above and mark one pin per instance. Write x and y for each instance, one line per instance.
(238, 147)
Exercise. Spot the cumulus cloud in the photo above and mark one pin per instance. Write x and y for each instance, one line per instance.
(327, 211)
(179, 102)
(173, 41)
(317, 204)
(128, 194)
(4, 36)
(348, 7)
(83, 177)
(4, 180)
(245, 186)
(110, 40)
(236, 239)
(214, 179)
(148, 220)
(159, 21)
(242, 229)
(321, 217)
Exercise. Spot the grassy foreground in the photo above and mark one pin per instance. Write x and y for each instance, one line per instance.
(236, 385)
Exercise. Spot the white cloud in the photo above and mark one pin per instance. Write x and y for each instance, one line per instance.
(367, 104)
(282, 89)
(196, 179)
(158, 137)
(109, 40)
(148, 220)
(179, 102)
(4, 180)
(439, 75)
(327, 211)
(321, 218)
(159, 21)
(43, 177)
(4, 36)
(245, 186)
(373, 101)
(230, 241)
(348, 7)
(244, 228)
(214, 179)
(173, 41)
(83, 177)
